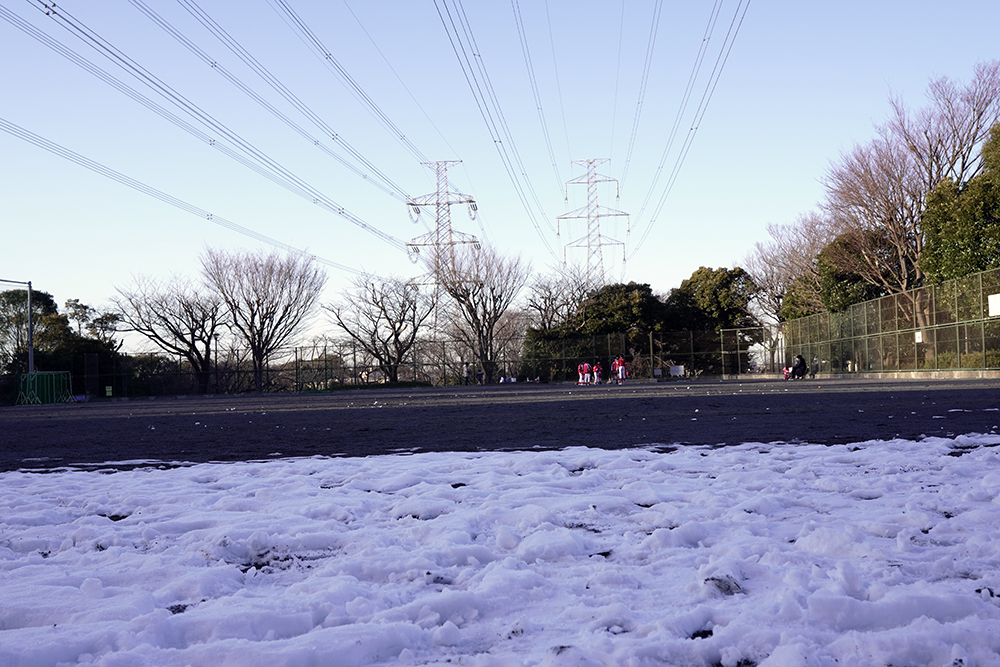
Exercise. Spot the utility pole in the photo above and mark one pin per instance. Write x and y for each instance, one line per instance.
(593, 212)
(443, 238)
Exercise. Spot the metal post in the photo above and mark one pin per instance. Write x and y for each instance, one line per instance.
(215, 362)
(722, 350)
(982, 322)
(31, 335)
(652, 376)
(739, 362)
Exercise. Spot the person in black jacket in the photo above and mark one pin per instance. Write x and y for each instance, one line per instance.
(799, 367)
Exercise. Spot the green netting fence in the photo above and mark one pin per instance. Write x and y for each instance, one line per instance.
(954, 326)
(45, 388)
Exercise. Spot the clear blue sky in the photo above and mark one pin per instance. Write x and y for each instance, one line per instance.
(803, 82)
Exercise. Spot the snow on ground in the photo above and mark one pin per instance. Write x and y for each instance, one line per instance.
(880, 553)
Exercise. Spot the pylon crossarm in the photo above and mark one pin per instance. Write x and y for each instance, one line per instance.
(446, 198)
(602, 212)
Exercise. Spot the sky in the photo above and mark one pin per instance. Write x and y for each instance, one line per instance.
(772, 103)
(774, 555)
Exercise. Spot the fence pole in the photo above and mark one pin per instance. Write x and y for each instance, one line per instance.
(651, 375)
(722, 350)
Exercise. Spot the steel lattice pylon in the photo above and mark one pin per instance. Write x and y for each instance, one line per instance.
(443, 238)
(593, 212)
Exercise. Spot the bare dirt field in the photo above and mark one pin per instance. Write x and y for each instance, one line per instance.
(511, 416)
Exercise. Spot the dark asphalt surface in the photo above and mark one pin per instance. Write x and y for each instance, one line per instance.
(512, 416)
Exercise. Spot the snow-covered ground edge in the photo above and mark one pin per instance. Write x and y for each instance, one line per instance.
(876, 553)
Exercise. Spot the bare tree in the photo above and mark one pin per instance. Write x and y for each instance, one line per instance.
(787, 263)
(483, 285)
(554, 298)
(945, 138)
(877, 192)
(547, 302)
(384, 317)
(875, 198)
(269, 298)
(179, 317)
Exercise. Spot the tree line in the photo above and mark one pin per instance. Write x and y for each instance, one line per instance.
(255, 305)
(916, 205)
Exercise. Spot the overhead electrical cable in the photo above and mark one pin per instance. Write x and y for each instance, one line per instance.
(534, 90)
(646, 67)
(498, 111)
(398, 78)
(97, 167)
(555, 68)
(459, 34)
(381, 181)
(685, 98)
(324, 54)
(233, 45)
(257, 160)
(618, 71)
(713, 81)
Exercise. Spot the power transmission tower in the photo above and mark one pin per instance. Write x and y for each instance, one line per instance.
(593, 212)
(443, 238)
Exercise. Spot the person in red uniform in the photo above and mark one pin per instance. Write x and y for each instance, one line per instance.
(598, 371)
(619, 369)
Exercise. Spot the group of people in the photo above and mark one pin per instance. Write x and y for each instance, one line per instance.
(594, 374)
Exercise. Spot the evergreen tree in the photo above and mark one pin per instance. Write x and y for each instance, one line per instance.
(712, 300)
(619, 308)
(962, 222)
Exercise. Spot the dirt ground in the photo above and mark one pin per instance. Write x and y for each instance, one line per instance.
(166, 431)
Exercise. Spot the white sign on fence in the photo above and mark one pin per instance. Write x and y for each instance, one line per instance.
(994, 301)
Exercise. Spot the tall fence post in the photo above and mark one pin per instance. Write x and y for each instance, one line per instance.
(652, 375)
(722, 349)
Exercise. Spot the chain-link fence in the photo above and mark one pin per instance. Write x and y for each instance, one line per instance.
(337, 364)
(947, 327)
(954, 326)
(752, 350)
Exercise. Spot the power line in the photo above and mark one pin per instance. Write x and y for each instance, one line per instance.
(97, 167)
(324, 54)
(713, 81)
(518, 21)
(257, 160)
(618, 70)
(381, 181)
(647, 64)
(685, 98)
(555, 68)
(463, 43)
(398, 78)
